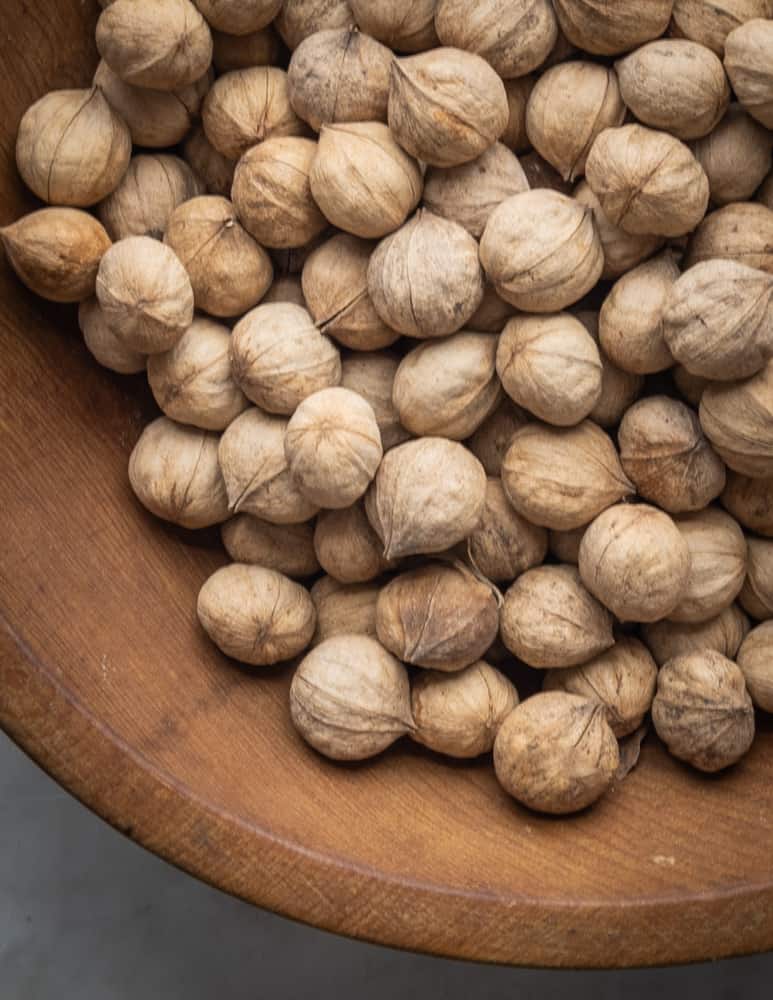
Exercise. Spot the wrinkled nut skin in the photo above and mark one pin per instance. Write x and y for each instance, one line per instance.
(106, 348)
(711, 23)
(741, 232)
(666, 456)
(214, 169)
(427, 496)
(736, 156)
(622, 679)
(346, 546)
(286, 548)
(372, 376)
(504, 544)
(608, 29)
(439, 616)
(724, 634)
(755, 658)
(634, 559)
(756, 596)
(297, 19)
(490, 442)
(549, 620)
(344, 609)
(718, 558)
(541, 251)
(174, 473)
(446, 106)
(56, 252)
(737, 417)
(350, 699)
(561, 478)
(702, 710)
(237, 17)
(403, 25)
(256, 615)
(747, 61)
(459, 714)
(556, 753)
(750, 501)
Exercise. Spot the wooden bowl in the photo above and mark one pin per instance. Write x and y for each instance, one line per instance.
(107, 681)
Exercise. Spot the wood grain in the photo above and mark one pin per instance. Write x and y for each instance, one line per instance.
(107, 681)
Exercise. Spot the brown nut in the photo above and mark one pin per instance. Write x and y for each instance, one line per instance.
(736, 156)
(742, 232)
(404, 25)
(718, 559)
(755, 658)
(737, 417)
(347, 547)
(373, 376)
(725, 633)
(489, 444)
(107, 349)
(607, 29)
(750, 501)
(756, 595)
(747, 61)
(504, 544)
(286, 548)
(344, 609)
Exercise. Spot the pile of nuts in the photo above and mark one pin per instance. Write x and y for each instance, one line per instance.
(463, 311)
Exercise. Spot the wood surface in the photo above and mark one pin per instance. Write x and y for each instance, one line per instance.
(108, 682)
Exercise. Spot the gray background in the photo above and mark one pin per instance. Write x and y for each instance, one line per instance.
(87, 915)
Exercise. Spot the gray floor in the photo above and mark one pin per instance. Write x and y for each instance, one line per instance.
(87, 915)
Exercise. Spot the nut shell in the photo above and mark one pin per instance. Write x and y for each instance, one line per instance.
(742, 232)
(286, 548)
(297, 19)
(607, 29)
(504, 544)
(344, 609)
(404, 25)
(755, 658)
(748, 64)
(347, 548)
(737, 417)
(107, 349)
(489, 444)
(718, 559)
(151, 189)
(724, 634)
(750, 501)
(372, 376)
(736, 156)
(756, 596)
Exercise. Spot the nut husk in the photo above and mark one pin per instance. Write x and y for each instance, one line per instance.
(425, 279)
(636, 561)
(711, 23)
(215, 170)
(339, 75)
(504, 544)
(702, 710)
(459, 714)
(647, 181)
(610, 28)
(518, 91)
(372, 376)
(742, 232)
(404, 25)
(755, 659)
(666, 456)
(72, 148)
(549, 620)
(192, 382)
(297, 19)
(279, 357)
(257, 48)
(551, 366)
(619, 389)
(56, 252)
(230, 272)
(237, 17)
(489, 444)
(492, 314)
(286, 548)
(756, 596)
(103, 343)
(541, 250)
(174, 472)
(438, 616)
(750, 501)
(717, 564)
(622, 250)
(427, 496)
(256, 615)
(561, 478)
(736, 156)
(556, 752)
(145, 294)
(737, 417)
(446, 106)
(725, 633)
(344, 609)
(256, 473)
(447, 388)
(748, 64)
(347, 548)
(362, 180)
(350, 699)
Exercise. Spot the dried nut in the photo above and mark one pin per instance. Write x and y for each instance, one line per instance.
(56, 252)
(631, 321)
(405, 25)
(725, 633)
(469, 193)
(214, 169)
(551, 366)
(514, 37)
(230, 272)
(347, 548)
(489, 444)
(427, 496)
(372, 376)
(742, 232)
(550, 620)
(272, 193)
(439, 616)
(647, 181)
(719, 321)
(237, 17)
(608, 29)
(540, 174)
(72, 148)
(619, 389)
(255, 614)
(447, 388)
(717, 564)
(562, 478)
(755, 658)
(748, 64)
(362, 180)
(622, 250)
(255, 470)
(279, 357)
(460, 714)
(492, 314)
(145, 293)
(756, 596)
(504, 544)
(335, 288)
(350, 699)
(103, 344)
(765, 194)
(344, 609)
(635, 560)
(425, 279)
(737, 417)
(569, 106)
(736, 157)
(690, 386)
(287, 548)
(622, 679)
(285, 288)
(702, 710)
(750, 501)
(297, 19)
(666, 455)
(164, 45)
(446, 106)
(174, 472)
(150, 191)
(192, 382)
(258, 48)
(339, 76)
(541, 250)
(565, 545)
(556, 752)
(711, 23)
(518, 92)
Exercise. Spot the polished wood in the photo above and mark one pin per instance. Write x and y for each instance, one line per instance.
(108, 682)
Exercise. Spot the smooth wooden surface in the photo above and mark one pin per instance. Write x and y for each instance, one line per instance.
(107, 681)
